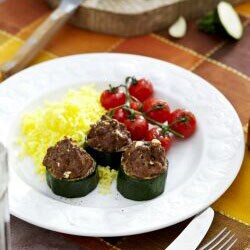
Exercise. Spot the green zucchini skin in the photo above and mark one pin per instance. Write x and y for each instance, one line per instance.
(72, 188)
(111, 159)
(140, 189)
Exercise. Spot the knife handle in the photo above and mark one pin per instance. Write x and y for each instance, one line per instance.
(40, 37)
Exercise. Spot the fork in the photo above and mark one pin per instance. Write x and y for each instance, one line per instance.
(39, 38)
(224, 240)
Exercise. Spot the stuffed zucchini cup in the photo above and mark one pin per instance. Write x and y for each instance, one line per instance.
(143, 171)
(106, 141)
(70, 171)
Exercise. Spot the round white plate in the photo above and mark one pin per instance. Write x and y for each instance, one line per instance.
(201, 168)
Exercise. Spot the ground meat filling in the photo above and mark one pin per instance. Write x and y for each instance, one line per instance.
(144, 160)
(66, 160)
(108, 135)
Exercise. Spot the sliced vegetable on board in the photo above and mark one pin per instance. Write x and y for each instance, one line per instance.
(179, 28)
(223, 20)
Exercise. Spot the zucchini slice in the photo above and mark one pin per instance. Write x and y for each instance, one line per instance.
(140, 189)
(230, 20)
(111, 159)
(179, 28)
(223, 20)
(72, 188)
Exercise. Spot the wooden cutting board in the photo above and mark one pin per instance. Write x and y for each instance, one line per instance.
(136, 17)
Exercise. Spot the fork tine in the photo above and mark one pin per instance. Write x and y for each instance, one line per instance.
(220, 240)
(226, 242)
(215, 238)
(231, 245)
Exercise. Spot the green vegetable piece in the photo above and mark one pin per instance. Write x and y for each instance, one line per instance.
(72, 188)
(140, 189)
(209, 23)
(111, 159)
(223, 20)
(230, 20)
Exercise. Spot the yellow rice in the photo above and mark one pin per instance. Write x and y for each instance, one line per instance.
(107, 176)
(70, 117)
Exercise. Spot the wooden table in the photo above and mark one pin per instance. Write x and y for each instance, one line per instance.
(224, 63)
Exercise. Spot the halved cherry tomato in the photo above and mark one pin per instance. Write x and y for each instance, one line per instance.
(120, 114)
(156, 133)
(142, 89)
(136, 105)
(183, 122)
(113, 97)
(156, 109)
(137, 126)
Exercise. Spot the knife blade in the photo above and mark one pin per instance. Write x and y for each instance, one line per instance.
(192, 235)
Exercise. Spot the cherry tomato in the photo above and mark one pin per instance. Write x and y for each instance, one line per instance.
(137, 126)
(136, 105)
(184, 122)
(120, 114)
(161, 112)
(141, 89)
(156, 133)
(113, 97)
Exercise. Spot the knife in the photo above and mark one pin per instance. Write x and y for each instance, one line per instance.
(192, 235)
(40, 37)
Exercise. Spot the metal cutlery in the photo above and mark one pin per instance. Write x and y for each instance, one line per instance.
(4, 213)
(224, 240)
(39, 38)
(193, 234)
(196, 230)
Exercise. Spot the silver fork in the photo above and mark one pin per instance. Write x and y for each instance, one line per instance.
(224, 240)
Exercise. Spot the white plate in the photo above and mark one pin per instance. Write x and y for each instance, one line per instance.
(201, 168)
